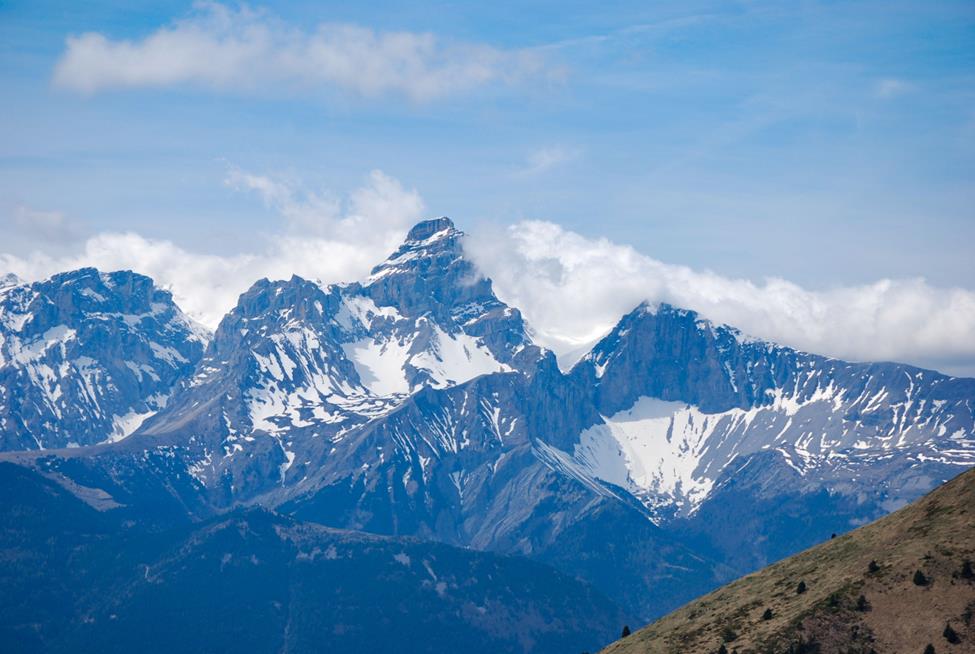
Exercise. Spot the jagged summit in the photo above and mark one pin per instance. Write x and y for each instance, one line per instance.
(296, 365)
(86, 356)
(428, 275)
(682, 398)
(431, 247)
(10, 279)
(427, 228)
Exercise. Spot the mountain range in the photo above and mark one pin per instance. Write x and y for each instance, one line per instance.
(676, 455)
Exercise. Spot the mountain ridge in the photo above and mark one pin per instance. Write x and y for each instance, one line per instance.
(80, 579)
(87, 356)
(415, 403)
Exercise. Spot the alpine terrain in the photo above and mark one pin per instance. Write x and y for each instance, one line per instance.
(85, 357)
(411, 413)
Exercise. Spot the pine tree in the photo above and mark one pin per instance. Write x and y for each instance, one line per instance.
(929, 649)
(873, 567)
(801, 588)
(626, 631)
(966, 570)
(767, 615)
(863, 604)
(722, 649)
(950, 635)
(920, 579)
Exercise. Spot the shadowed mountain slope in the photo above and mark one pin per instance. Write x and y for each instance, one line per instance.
(79, 576)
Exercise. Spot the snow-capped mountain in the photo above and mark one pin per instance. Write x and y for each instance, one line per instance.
(408, 404)
(85, 357)
(676, 453)
(682, 399)
(297, 366)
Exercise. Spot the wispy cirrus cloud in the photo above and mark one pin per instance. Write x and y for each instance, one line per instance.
(227, 49)
(376, 214)
(50, 226)
(544, 159)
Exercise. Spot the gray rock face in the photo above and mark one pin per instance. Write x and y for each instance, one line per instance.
(86, 356)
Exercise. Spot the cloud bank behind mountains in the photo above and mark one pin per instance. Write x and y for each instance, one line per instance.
(572, 289)
(320, 236)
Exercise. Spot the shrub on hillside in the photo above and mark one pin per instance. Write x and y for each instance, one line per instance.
(950, 635)
(728, 634)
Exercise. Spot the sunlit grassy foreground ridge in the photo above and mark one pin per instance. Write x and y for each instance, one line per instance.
(900, 610)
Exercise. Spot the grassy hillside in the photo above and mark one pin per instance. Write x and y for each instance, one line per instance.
(900, 612)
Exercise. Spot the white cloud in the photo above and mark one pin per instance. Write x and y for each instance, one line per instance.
(370, 216)
(573, 289)
(226, 49)
(328, 240)
(544, 159)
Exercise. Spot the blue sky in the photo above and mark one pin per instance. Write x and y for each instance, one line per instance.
(831, 144)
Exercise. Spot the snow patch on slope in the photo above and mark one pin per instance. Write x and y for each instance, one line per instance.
(455, 359)
(653, 448)
(380, 364)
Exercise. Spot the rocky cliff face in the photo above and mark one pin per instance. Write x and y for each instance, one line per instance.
(85, 357)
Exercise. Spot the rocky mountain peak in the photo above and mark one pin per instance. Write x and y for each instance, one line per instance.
(427, 228)
(432, 248)
(86, 356)
(9, 280)
(430, 276)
